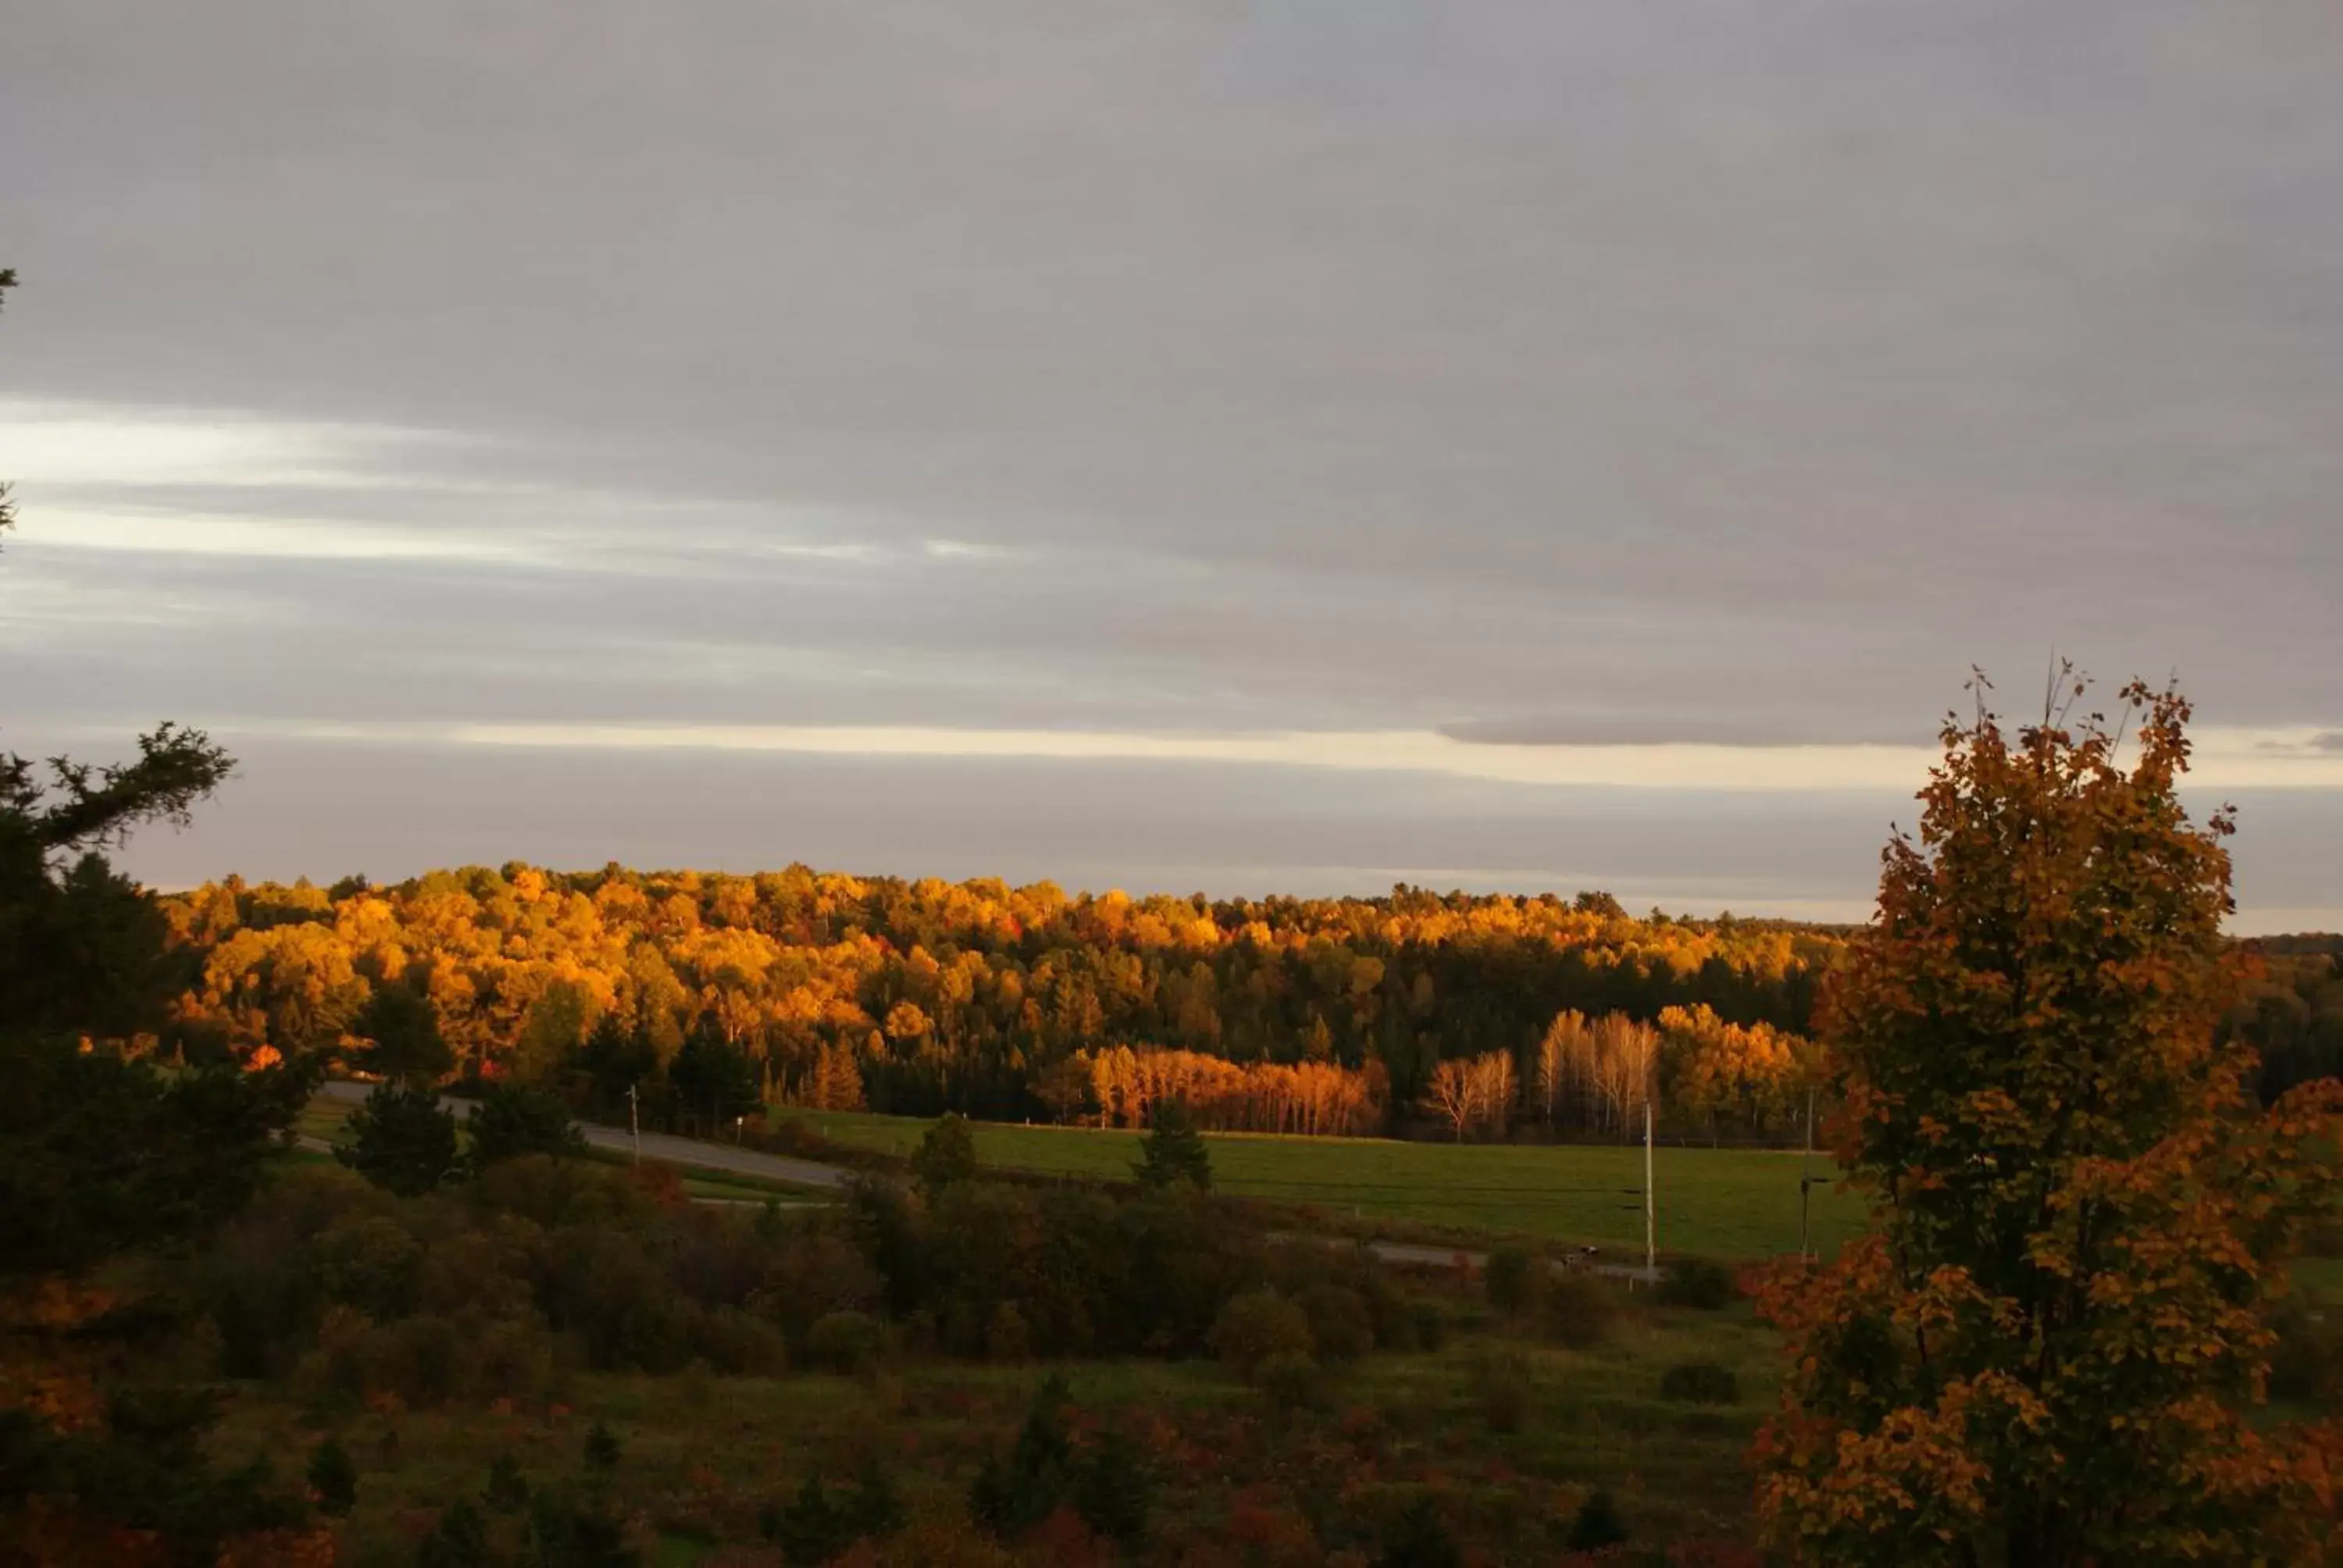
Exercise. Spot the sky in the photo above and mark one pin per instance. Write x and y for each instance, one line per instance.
(1299, 445)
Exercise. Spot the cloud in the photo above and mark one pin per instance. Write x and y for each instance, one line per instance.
(1520, 380)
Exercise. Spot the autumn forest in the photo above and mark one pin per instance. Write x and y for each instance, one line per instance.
(712, 995)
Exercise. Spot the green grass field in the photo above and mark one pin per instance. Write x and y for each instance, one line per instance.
(1732, 1204)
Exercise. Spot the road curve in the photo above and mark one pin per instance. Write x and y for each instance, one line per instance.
(660, 1146)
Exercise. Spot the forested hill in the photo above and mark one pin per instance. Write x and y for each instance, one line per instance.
(714, 992)
(941, 994)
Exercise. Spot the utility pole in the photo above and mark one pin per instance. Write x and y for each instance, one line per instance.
(634, 1120)
(1651, 1208)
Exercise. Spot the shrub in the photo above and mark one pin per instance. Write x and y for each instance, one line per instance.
(851, 1342)
(507, 1489)
(739, 1344)
(817, 1526)
(1340, 1328)
(334, 1478)
(458, 1540)
(1579, 1310)
(601, 1447)
(509, 1360)
(423, 1360)
(1697, 1282)
(1006, 1338)
(1419, 1538)
(1511, 1280)
(575, 1534)
(1501, 1382)
(559, 1192)
(1598, 1524)
(1255, 1326)
(1011, 1495)
(1430, 1326)
(1700, 1382)
(1290, 1379)
(1113, 1491)
(608, 1290)
(369, 1261)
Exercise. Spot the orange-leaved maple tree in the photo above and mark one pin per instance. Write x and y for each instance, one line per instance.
(2049, 1349)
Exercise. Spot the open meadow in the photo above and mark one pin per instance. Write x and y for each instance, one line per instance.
(1508, 1433)
(1731, 1204)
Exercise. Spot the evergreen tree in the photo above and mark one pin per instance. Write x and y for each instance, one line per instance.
(511, 1121)
(946, 1154)
(1011, 1496)
(401, 1036)
(334, 1478)
(403, 1138)
(1173, 1151)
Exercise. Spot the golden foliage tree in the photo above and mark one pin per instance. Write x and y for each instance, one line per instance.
(2047, 1350)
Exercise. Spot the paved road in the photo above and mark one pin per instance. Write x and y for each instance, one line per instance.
(662, 1146)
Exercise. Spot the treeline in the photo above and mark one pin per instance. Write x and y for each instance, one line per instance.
(708, 995)
(2294, 1011)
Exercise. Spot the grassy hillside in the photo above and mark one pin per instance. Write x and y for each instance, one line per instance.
(1729, 1204)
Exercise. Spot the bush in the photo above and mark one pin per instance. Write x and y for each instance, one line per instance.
(507, 1489)
(1511, 1281)
(458, 1540)
(849, 1342)
(1430, 1326)
(1113, 1491)
(1340, 1327)
(559, 1192)
(739, 1344)
(1011, 1495)
(601, 1447)
(574, 1534)
(423, 1360)
(1290, 1379)
(608, 1289)
(1699, 1284)
(334, 1478)
(1006, 1338)
(1579, 1310)
(818, 1525)
(1598, 1524)
(1419, 1538)
(1700, 1382)
(1501, 1382)
(1255, 1326)
(369, 1261)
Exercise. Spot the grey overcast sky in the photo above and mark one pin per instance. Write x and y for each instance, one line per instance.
(1171, 444)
